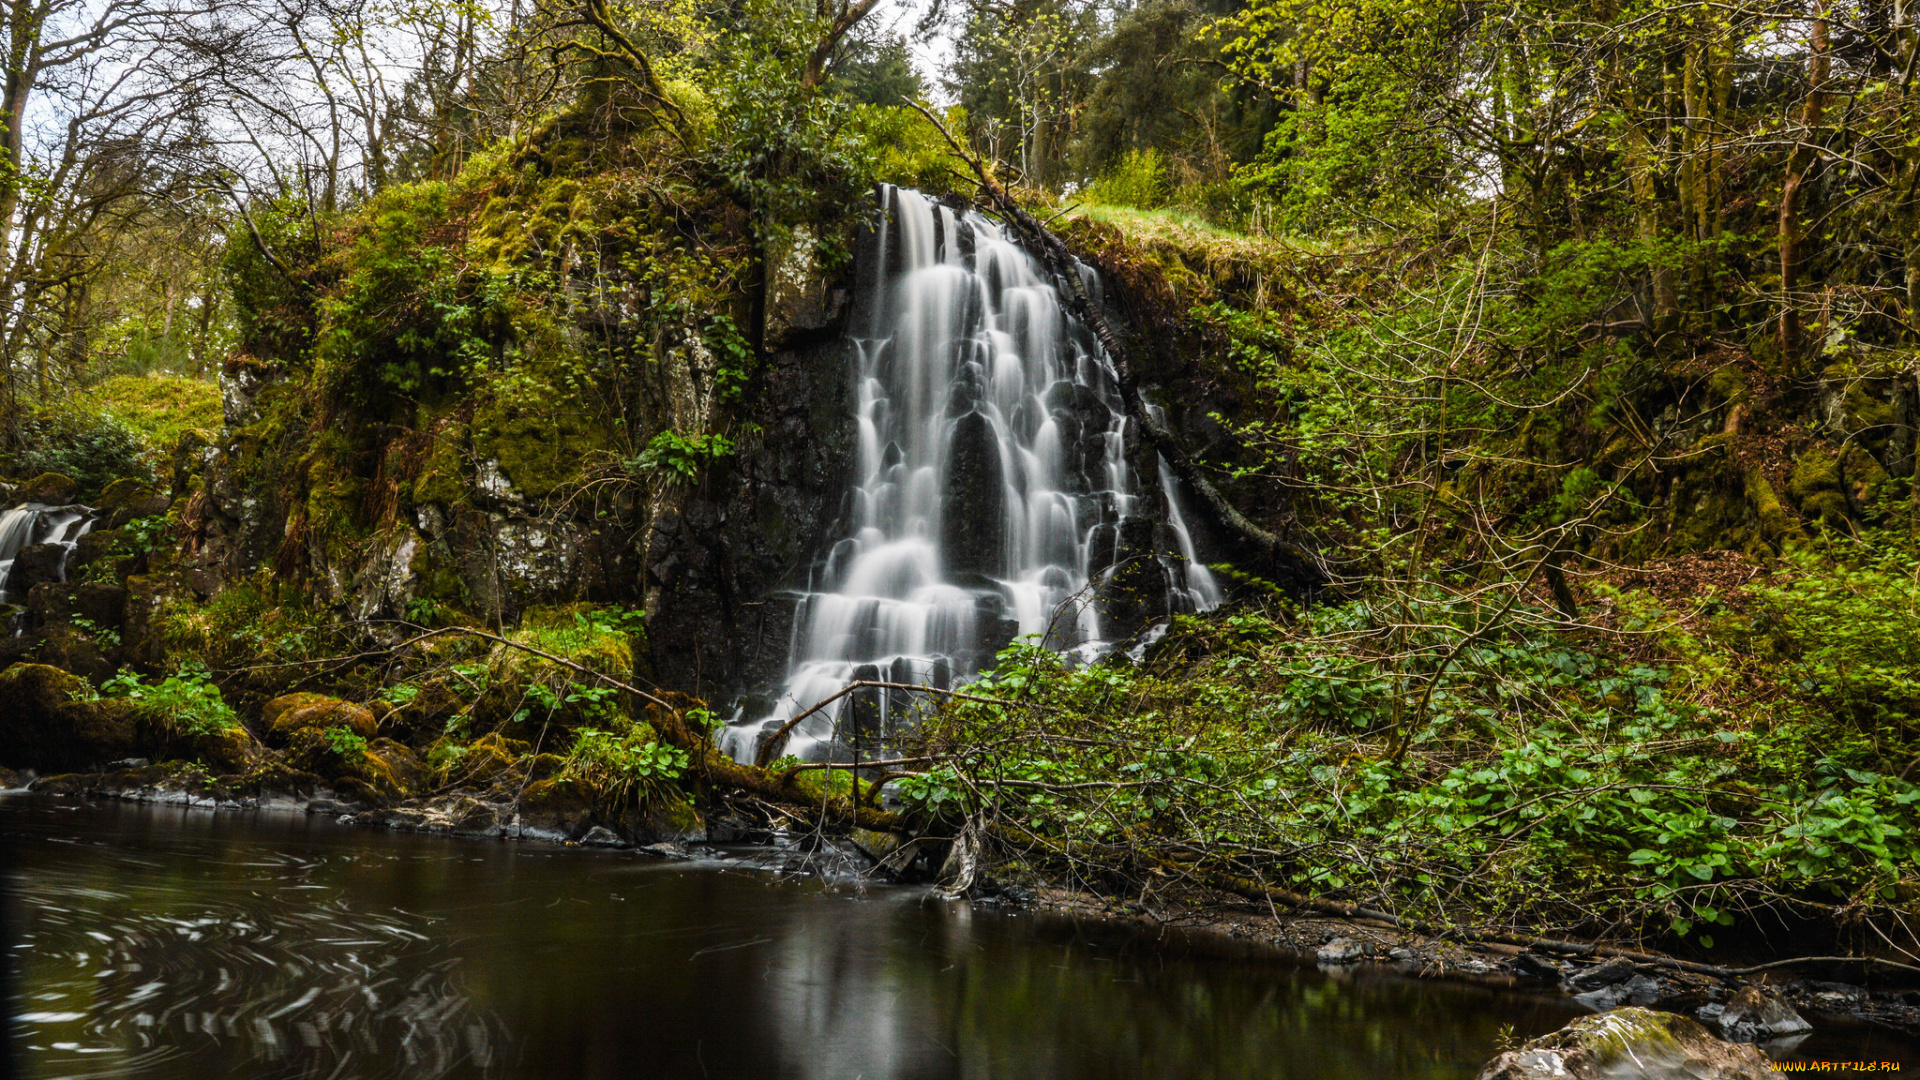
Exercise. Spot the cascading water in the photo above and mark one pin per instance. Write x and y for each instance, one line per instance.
(35, 523)
(992, 486)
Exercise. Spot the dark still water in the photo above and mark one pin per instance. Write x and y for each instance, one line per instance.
(159, 942)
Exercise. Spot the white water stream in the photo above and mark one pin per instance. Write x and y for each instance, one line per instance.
(36, 523)
(992, 480)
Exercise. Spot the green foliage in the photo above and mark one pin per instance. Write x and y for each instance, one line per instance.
(1549, 784)
(1849, 631)
(409, 316)
(161, 409)
(186, 702)
(345, 742)
(686, 456)
(94, 448)
(1137, 180)
(104, 636)
(616, 768)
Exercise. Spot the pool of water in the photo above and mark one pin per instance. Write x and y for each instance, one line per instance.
(164, 942)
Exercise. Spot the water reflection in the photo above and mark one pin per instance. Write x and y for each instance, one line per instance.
(163, 942)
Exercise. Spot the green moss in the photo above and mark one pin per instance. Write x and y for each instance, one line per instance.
(334, 497)
(161, 409)
(1776, 526)
(539, 439)
(443, 476)
(1817, 490)
(1728, 384)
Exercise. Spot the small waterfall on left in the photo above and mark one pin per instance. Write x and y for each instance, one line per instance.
(34, 524)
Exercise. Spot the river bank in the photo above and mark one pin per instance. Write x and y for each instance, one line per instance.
(1589, 976)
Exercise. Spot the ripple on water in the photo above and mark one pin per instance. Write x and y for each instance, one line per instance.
(226, 969)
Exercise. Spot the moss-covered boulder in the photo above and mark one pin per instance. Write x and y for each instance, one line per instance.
(128, 499)
(285, 715)
(52, 489)
(377, 773)
(1630, 1044)
(48, 724)
(1816, 488)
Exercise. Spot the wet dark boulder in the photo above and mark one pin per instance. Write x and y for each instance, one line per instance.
(1630, 1044)
(48, 725)
(1133, 594)
(38, 564)
(102, 605)
(973, 529)
(77, 652)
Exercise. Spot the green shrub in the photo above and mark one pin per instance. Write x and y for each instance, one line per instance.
(345, 741)
(613, 769)
(1137, 180)
(185, 703)
(95, 448)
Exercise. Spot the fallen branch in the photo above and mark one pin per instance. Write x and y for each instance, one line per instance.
(765, 753)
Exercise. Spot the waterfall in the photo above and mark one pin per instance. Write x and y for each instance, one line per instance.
(991, 484)
(35, 523)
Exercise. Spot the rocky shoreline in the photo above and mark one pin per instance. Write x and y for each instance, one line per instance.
(1599, 984)
(1755, 1010)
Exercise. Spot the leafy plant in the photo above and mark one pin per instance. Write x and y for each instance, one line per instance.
(615, 768)
(345, 741)
(186, 702)
(682, 454)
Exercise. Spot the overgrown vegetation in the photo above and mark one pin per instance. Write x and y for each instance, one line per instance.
(1574, 347)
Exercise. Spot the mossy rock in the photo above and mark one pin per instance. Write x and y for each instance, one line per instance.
(1776, 526)
(443, 476)
(1727, 384)
(1630, 1042)
(52, 489)
(47, 723)
(289, 713)
(128, 498)
(539, 442)
(1816, 488)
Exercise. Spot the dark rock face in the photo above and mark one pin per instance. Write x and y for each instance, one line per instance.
(1134, 592)
(1630, 1044)
(973, 522)
(44, 726)
(722, 568)
(36, 565)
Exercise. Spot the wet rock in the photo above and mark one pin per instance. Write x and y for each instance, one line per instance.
(289, 713)
(1757, 1016)
(147, 596)
(46, 725)
(1833, 996)
(52, 489)
(1617, 970)
(1340, 951)
(39, 564)
(601, 836)
(1535, 967)
(1639, 990)
(1630, 1044)
(671, 852)
(76, 652)
(875, 845)
(973, 522)
(1403, 954)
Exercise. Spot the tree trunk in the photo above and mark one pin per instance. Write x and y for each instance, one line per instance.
(1799, 163)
